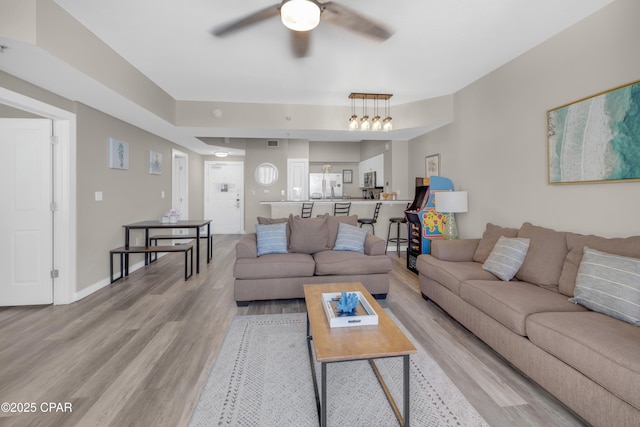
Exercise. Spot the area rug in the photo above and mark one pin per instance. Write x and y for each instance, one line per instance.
(262, 377)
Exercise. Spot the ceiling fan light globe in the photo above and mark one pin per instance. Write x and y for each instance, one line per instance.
(300, 15)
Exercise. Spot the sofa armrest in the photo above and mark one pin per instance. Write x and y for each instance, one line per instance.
(247, 246)
(374, 245)
(454, 250)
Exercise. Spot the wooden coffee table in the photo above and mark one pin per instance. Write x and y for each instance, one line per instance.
(354, 343)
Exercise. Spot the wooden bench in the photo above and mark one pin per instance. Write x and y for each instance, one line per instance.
(124, 251)
(153, 241)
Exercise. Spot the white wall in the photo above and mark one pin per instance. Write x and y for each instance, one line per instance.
(497, 148)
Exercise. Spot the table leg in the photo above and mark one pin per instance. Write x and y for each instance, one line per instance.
(209, 248)
(126, 245)
(406, 370)
(323, 404)
(147, 256)
(197, 249)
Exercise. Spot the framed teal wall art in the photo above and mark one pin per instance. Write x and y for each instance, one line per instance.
(596, 139)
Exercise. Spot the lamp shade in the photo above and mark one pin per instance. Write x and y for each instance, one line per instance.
(451, 201)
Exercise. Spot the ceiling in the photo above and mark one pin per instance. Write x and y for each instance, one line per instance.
(438, 47)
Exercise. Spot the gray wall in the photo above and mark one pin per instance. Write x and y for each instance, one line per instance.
(496, 148)
(128, 196)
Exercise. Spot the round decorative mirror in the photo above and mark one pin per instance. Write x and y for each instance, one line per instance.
(266, 174)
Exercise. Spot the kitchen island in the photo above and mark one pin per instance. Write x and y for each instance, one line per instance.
(362, 207)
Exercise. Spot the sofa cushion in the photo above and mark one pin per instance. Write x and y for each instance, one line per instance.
(506, 257)
(333, 222)
(602, 348)
(547, 250)
(451, 273)
(510, 303)
(308, 235)
(491, 235)
(271, 239)
(334, 263)
(609, 284)
(629, 246)
(274, 266)
(350, 238)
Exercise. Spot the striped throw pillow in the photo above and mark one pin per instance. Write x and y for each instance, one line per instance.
(609, 284)
(350, 238)
(507, 257)
(272, 239)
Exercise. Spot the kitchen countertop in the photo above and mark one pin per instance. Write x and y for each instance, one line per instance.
(326, 201)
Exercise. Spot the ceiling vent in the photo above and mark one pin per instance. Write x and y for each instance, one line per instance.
(273, 143)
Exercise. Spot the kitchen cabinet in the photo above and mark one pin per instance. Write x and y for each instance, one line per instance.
(374, 164)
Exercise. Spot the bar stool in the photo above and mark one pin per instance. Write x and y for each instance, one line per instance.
(306, 210)
(397, 221)
(341, 209)
(371, 221)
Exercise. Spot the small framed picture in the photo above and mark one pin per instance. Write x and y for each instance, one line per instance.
(347, 176)
(432, 165)
(155, 163)
(118, 154)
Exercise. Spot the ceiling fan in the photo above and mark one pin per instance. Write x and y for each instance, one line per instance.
(301, 16)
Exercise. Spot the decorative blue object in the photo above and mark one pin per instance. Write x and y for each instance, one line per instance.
(348, 303)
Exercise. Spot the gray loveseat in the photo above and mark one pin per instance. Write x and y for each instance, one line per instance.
(310, 260)
(588, 360)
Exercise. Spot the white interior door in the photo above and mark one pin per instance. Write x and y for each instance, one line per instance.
(180, 187)
(297, 179)
(224, 196)
(26, 252)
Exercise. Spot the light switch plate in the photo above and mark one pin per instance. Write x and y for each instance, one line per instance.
(98, 196)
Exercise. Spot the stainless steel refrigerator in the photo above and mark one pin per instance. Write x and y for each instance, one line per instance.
(320, 185)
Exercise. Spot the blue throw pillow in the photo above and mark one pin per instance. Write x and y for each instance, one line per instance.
(272, 238)
(350, 238)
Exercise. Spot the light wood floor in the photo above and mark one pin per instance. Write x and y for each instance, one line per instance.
(138, 352)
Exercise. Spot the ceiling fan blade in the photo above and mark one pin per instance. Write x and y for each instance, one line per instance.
(300, 42)
(345, 17)
(241, 23)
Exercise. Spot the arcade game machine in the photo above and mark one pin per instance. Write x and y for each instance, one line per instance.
(423, 222)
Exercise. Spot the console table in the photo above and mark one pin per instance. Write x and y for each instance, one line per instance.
(195, 224)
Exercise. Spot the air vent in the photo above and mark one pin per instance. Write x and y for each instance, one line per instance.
(273, 143)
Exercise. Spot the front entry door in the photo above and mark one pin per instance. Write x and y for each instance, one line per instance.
(26, 234)
(224, 196)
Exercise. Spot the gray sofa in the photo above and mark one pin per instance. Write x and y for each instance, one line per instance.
(588, 360)
(311, 260)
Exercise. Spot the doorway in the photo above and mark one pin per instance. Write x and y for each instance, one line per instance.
(224, 196)
(64, 190)
(26, 257)
(180, 185)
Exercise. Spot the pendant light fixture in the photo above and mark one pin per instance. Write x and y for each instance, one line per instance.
(364, 125)
(353, 120)
(377, 123)
(388, 121)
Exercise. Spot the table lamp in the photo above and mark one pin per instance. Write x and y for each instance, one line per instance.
(450, 202)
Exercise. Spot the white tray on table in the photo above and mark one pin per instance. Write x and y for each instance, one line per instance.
(364, 313)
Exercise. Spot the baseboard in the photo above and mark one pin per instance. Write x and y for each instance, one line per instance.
(83, 293)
